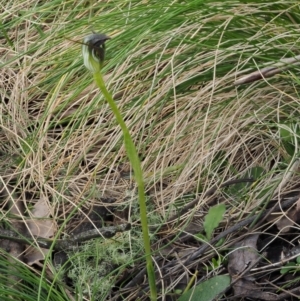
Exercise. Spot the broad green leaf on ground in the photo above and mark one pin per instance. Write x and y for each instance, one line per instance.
(207, 290)
(213, 218)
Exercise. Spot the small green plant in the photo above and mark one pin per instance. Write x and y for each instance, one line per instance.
(93, 51)
(216, 263)
(96, 265)
(211, 221)
(207, 290)
(291, 267)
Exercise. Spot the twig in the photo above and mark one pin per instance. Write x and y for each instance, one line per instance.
(65, 244)
(269, 71)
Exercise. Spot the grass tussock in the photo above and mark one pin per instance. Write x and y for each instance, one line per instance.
(171, 69)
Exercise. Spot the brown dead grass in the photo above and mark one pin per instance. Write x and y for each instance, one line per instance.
(184, 132)
(69, 149)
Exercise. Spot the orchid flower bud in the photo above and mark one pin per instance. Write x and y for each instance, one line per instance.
(93, 51)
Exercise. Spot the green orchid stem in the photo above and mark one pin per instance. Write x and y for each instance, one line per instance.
(138, 174)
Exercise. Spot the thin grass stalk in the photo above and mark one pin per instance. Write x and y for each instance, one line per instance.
(138, 175)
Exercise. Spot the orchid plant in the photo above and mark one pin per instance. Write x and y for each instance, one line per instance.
(93, 51)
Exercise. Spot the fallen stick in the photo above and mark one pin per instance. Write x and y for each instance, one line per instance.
(268, 71)
(64, 244)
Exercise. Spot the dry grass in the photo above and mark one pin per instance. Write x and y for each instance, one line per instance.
(61, 142)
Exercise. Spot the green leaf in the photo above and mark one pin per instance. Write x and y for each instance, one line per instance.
(216, 262)
(201, 237)
(213, 218)
(287, 268)
(207, 290)
(220, 242)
